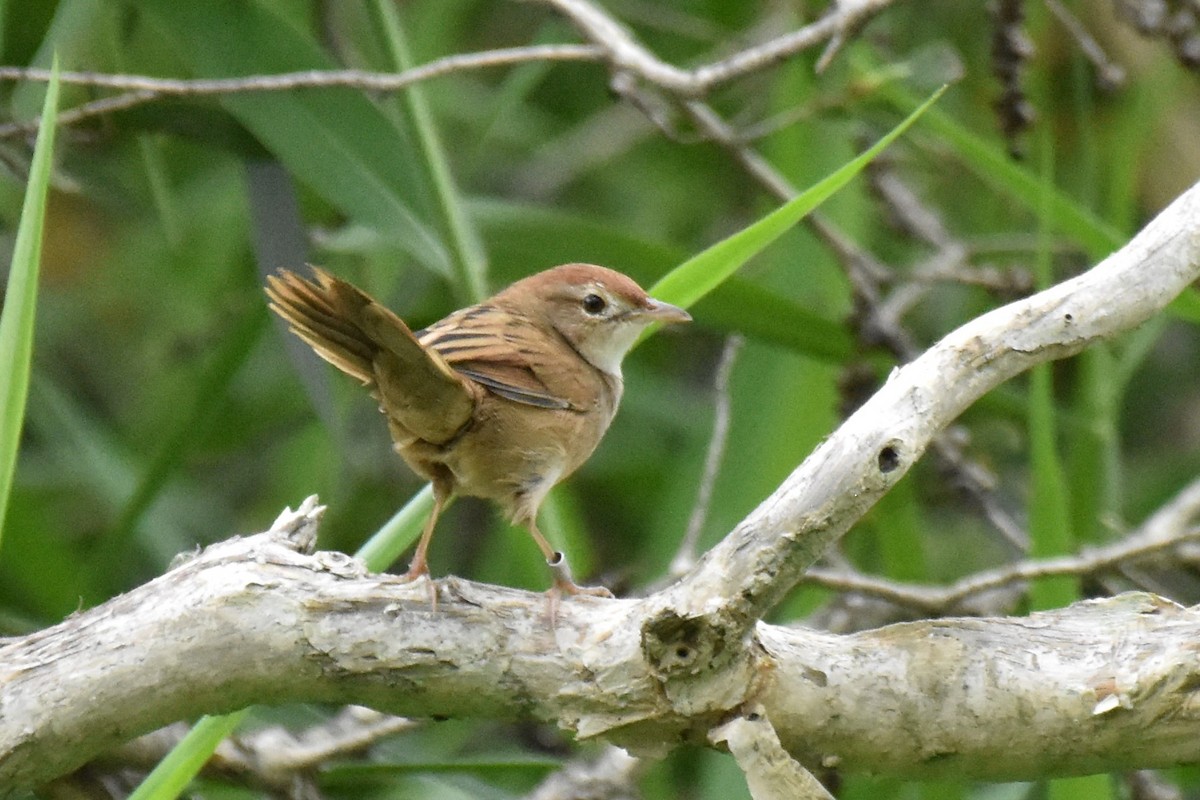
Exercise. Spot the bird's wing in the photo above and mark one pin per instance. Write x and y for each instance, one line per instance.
(349, 329)
(509, 354)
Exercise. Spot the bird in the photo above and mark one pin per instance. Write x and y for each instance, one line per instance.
(500, 400)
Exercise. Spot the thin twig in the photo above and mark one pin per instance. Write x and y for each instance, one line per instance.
(140, 89)
(626, 54)
(1166, 529)
(316, 79)
(611, 42)
(272, 757)
(685, 558)
(1109, 74)
(276, 757)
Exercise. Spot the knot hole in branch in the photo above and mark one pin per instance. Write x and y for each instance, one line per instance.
(889, 458)
(677, 646)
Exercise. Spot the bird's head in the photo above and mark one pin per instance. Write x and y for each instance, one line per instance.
(599, 311)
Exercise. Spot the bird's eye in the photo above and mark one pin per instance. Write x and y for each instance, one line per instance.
(594, 304)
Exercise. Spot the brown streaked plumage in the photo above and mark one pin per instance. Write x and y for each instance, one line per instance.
(500, 400)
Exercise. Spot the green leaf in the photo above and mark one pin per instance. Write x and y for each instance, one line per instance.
(335, 140)
(1050, 530)
(758, 313)
(173, 774)
(389, 542)
(699, 275)
(20, 299)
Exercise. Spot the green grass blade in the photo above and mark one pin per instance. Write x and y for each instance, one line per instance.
(467, 255)
(20, 299)
(381, 550)
(173, 774)
(1049, 515)
(1049, 511)
(992, 163)
(704, 272)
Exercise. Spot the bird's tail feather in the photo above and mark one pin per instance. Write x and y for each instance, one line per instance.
(322, 313)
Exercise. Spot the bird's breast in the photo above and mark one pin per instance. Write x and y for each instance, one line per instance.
(511, 446)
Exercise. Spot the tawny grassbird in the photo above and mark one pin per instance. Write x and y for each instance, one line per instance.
(500, 400)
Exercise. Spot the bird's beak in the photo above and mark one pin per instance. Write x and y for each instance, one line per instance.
(659, 311)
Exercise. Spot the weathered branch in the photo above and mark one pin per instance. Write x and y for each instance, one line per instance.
(771, 772)
(272, 757)
(612, 775)
(1098, 685)
(762, 559)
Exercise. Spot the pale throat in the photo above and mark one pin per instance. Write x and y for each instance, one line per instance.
(606, 350)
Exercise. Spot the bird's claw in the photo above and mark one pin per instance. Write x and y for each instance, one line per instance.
(564, 584)
(589, 591)
(417, 571)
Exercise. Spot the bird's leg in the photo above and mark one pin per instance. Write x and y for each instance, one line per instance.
(561, 571)
(565, 583)
(419, 566)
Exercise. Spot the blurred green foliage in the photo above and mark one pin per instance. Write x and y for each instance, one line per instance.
(167, 410)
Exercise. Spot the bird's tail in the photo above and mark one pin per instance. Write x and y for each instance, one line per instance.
(323, 312)
(416, 388)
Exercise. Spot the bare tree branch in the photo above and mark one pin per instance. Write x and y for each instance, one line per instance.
(1109, 73)
(768, 552)
(1167, 529)
(272, 757)
(140, 89)
(315, 79)
(610, 776)
(627, 55)
(256, 620)
(771, 772)
(610, 43)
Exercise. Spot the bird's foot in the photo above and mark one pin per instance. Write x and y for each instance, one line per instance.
(588, 591)
(420, 569)
(564, 584)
